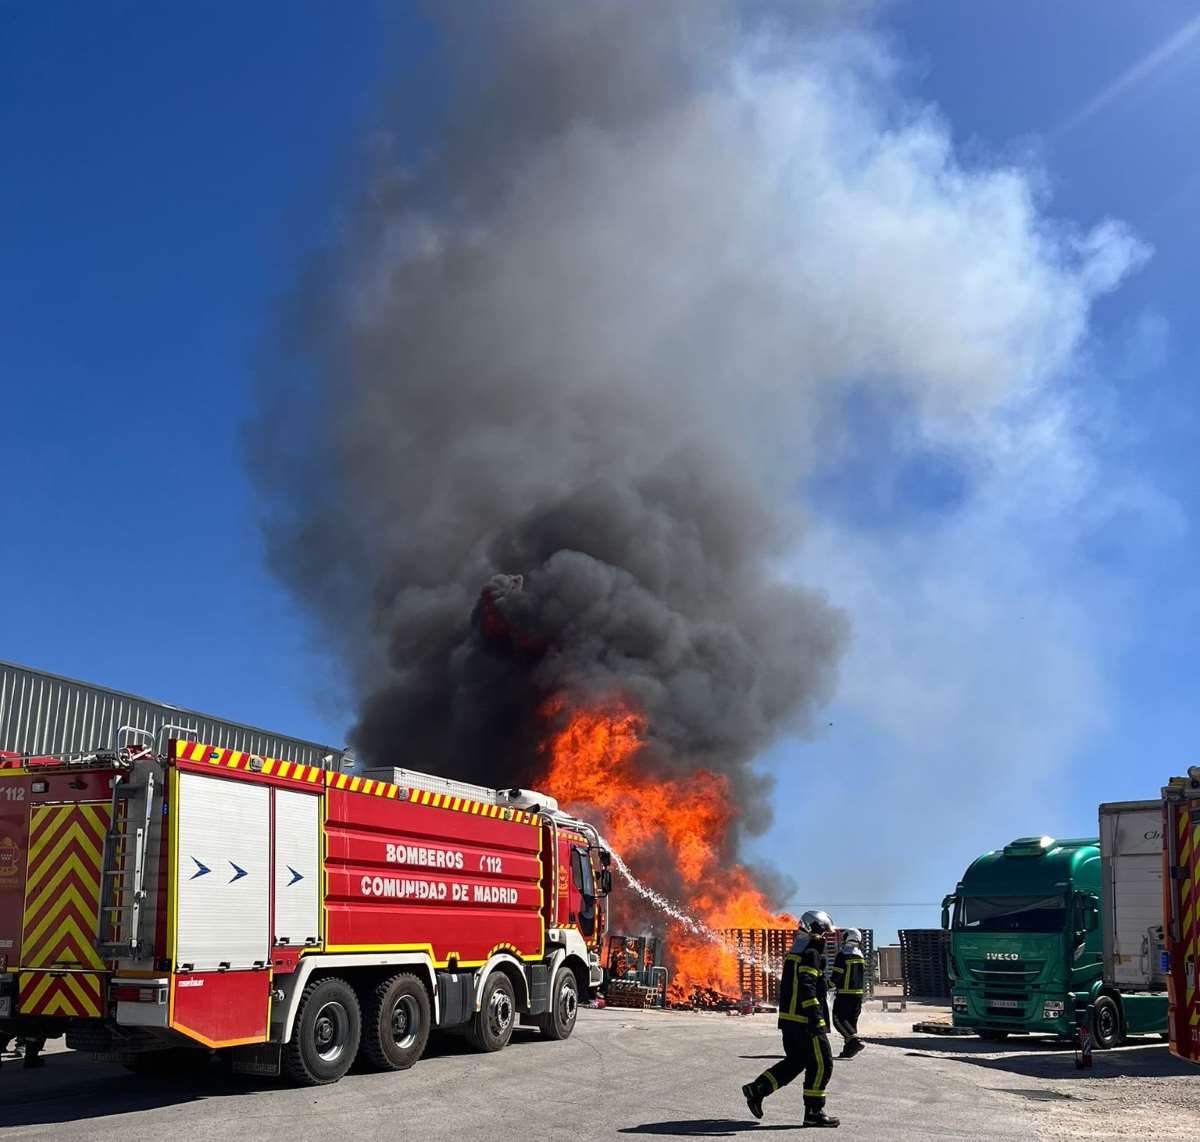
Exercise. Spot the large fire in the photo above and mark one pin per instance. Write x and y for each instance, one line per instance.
(592, 764)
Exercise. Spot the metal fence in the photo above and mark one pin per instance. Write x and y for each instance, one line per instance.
(43, 713)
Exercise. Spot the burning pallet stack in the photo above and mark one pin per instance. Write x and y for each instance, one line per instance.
(760, 953)
(760, 958)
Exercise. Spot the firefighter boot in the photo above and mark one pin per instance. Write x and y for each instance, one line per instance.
(816, 1116)
(753, 1099)
(851, 1049)
(33, 1056)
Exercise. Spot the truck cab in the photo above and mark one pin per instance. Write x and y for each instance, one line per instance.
(1035, 939)
(1025, 946)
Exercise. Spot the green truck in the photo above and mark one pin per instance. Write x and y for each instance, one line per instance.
(1042, 928)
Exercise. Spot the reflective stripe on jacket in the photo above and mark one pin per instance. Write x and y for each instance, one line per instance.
(848, 973)
(803, 988)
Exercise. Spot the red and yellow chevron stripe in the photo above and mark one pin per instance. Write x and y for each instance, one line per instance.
(69, 993)
(1189, 902)
(311, 774)
(239, 759)
(466, 805)
(62, 892)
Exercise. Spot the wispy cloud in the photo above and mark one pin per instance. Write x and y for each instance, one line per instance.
(1138, 73)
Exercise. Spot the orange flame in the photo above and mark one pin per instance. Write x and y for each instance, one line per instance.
(593, 767)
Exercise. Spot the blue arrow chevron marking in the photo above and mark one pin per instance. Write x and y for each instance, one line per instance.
(238, 873)
(201, 870)
(295, 876)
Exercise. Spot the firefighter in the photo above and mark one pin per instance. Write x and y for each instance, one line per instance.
(849, 971)
(804, 1022)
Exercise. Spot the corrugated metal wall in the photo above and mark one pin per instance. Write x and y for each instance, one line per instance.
(44, 714)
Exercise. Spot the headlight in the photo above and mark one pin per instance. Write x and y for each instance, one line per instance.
(960, 1003)
(1052, 1009)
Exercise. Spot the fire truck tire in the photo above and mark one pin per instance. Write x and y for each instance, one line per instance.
(559, 1021)
(396, 1020)
(492, 1025)
(325, 1037)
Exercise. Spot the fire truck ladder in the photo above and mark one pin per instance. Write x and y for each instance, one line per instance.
(123, 891)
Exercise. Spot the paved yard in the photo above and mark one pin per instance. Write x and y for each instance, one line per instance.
(628, 1075)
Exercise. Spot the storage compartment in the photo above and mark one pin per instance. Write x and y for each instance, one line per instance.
(222, 874)
(297, 868)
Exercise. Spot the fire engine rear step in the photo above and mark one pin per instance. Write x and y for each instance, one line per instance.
(122, 889)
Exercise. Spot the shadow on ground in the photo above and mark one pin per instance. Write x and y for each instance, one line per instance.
(1046, 1059)
(74, 1091)
(72, 1087)
(706, 1127)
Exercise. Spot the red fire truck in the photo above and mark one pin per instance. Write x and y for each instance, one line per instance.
(162, 902)
(1181, 888)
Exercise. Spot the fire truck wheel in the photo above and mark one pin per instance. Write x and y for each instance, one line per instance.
(492, 1025)
(395, 1024)
(559, 1021)
(325, 1038)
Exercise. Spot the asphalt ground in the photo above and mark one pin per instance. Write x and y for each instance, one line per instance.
(630, 1074)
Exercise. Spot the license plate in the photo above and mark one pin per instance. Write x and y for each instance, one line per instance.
(1008, 1004)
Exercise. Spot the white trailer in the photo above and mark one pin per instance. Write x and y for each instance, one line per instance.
(1131, 855)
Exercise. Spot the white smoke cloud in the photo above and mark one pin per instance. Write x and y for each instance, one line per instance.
(658, 230)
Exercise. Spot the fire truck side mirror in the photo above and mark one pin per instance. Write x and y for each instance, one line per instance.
(604, 881)
(947, 901)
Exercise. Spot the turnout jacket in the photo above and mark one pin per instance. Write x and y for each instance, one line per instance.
(803, 1001)
(849, 967)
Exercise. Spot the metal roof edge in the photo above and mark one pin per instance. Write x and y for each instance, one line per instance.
(51, 676)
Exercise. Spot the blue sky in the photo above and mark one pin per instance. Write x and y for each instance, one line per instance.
(168, 170)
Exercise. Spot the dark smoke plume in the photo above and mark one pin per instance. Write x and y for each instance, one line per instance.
(538, 351)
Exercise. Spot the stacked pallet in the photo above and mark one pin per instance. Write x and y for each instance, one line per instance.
(925, 962)
(760, 953)
(630, 993)
(868, 950)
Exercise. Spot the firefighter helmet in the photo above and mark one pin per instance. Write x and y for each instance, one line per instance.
(851, 936)
(816, 923)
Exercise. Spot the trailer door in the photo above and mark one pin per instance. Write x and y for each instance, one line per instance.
(222, 874)
(1131, 850)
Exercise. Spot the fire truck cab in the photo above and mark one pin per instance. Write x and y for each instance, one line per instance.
(166, 904)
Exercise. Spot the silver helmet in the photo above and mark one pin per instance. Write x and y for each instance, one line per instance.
(851, 936)
(816, 923)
